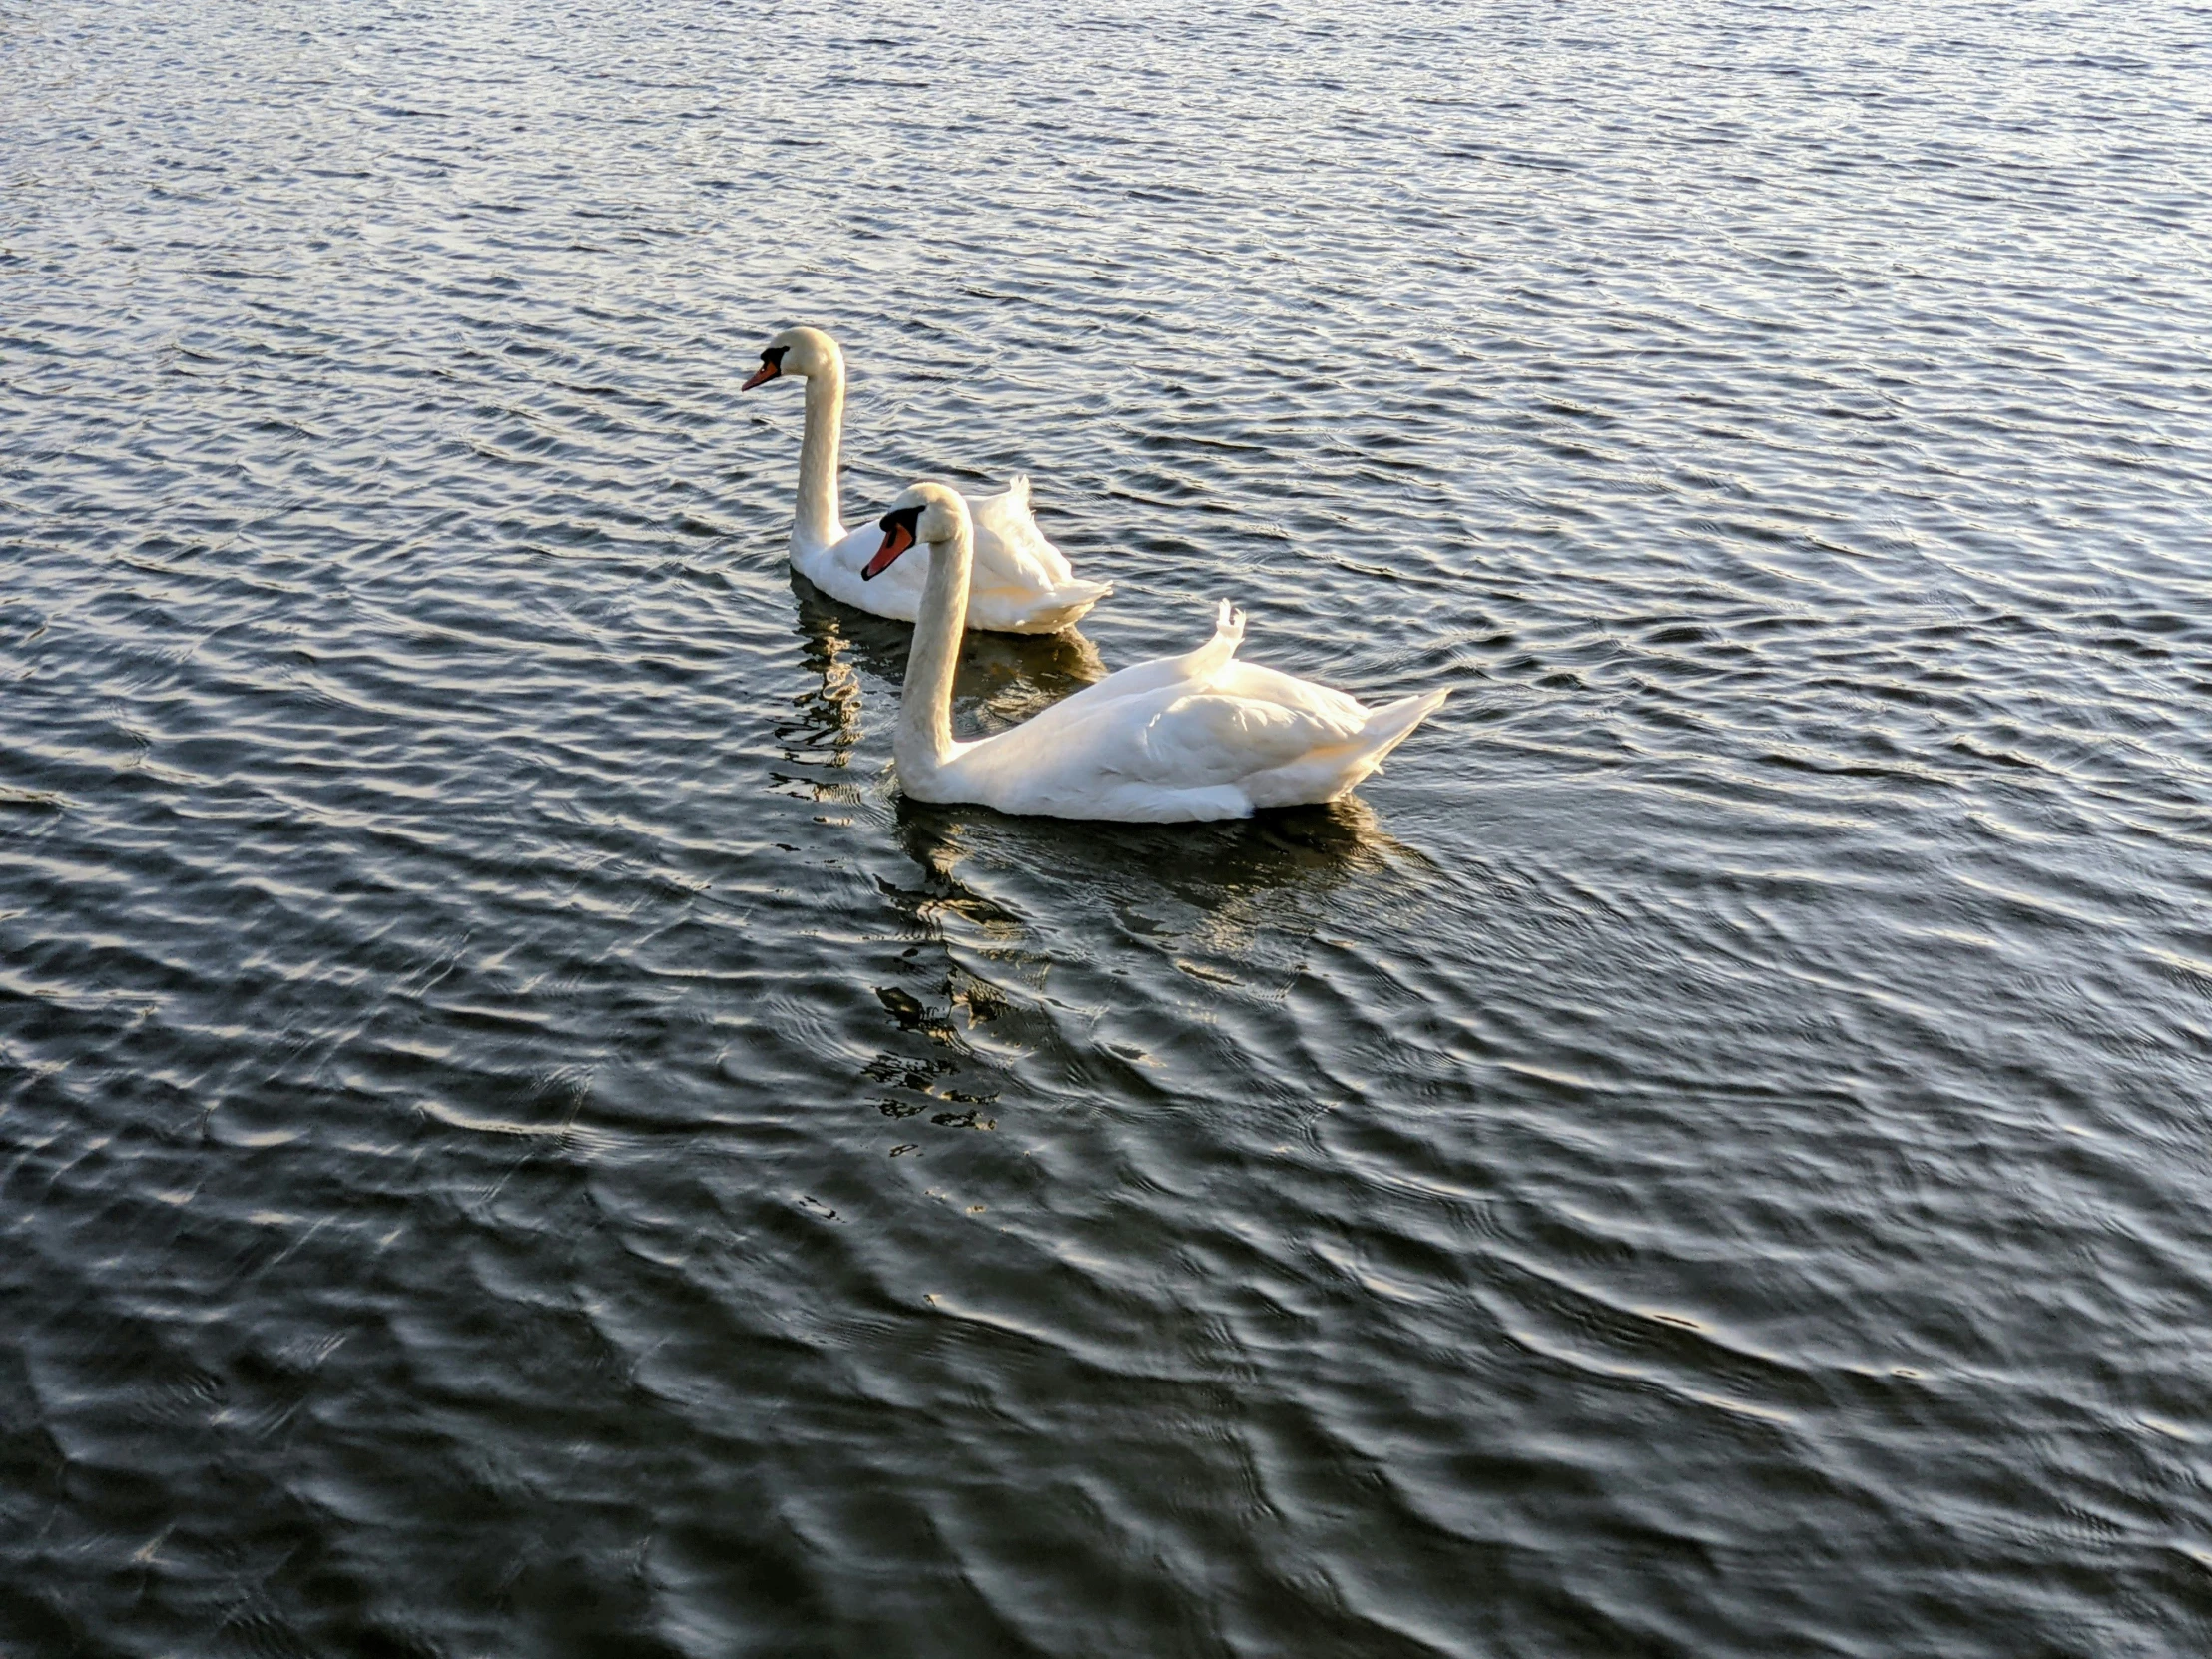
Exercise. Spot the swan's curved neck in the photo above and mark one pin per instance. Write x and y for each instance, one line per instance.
(818, 522)
(924, 743)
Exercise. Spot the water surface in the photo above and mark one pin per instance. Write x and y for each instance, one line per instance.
(515, 1140)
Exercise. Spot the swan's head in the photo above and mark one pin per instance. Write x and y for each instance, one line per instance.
(931, 513)
(795, 352)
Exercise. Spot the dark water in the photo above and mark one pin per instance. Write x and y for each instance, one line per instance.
(516, 1141)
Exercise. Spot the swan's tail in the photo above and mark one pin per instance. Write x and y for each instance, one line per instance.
(1394, 723)
(1326, 774)
(1011, 610)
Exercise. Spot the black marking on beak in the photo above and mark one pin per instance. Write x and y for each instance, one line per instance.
(771, 365)
(900, 527)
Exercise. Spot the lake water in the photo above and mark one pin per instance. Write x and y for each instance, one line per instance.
(515, 1140)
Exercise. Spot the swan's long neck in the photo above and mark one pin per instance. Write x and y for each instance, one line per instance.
(818, 521)
(923, 742)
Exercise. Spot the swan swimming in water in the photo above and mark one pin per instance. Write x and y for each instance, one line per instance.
(1023, 584)
(1200, 736)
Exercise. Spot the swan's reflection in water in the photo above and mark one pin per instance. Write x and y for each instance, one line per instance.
(819, 738)
(1018, 931)
(1045, 938)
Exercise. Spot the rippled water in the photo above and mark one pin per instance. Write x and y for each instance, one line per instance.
(517, 1141)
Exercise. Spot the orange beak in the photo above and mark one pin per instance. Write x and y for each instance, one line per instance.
(761, 375)
(896, 539)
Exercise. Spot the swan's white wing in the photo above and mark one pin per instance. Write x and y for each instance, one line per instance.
(1196, 710)
(1009, 548)
(1087, 727)
(1214, 738)
(1015, 610)
(1076, 751)
(1164, 738)
(1325, 774)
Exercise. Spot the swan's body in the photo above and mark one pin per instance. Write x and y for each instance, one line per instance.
(1023, 584)
(1200, 736)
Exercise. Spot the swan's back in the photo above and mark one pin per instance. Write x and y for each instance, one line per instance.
(1260, 684)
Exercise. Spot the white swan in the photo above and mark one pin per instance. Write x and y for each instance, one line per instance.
(1025, 585)
(1200, 736)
